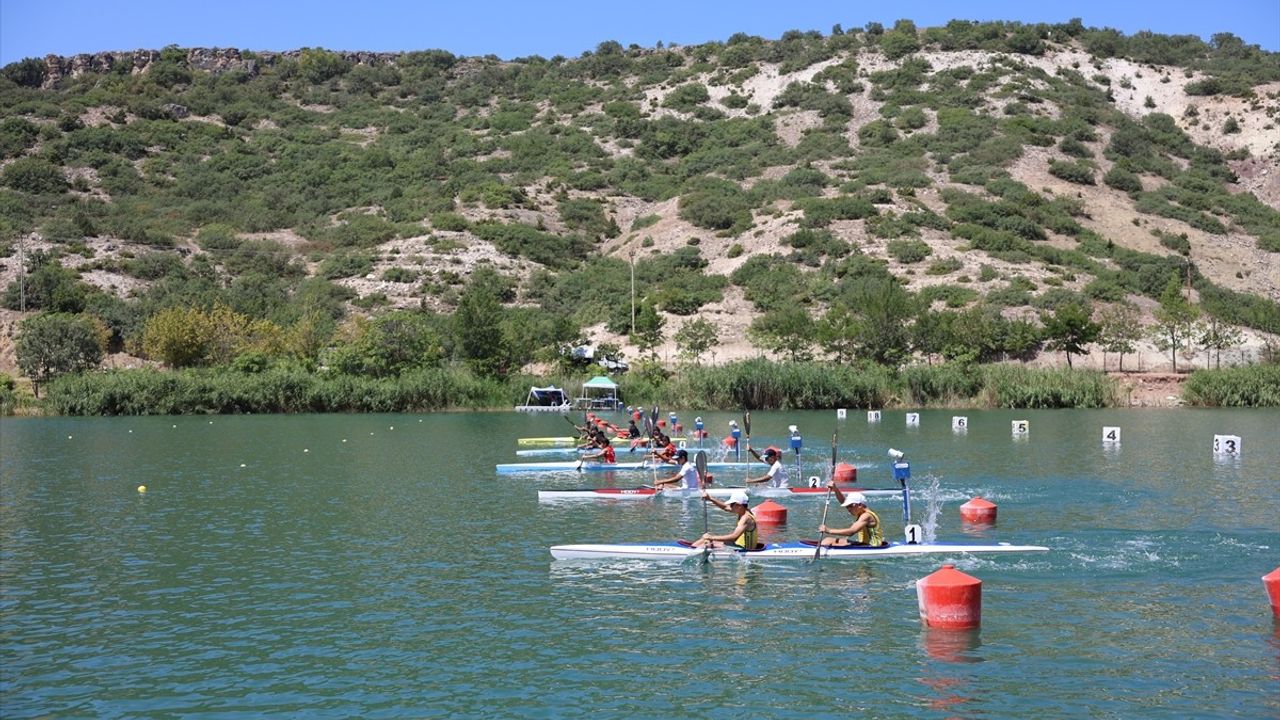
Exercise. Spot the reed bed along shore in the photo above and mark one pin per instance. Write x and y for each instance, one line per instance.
(754, 384)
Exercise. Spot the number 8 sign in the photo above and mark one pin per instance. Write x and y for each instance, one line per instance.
(1226, 445)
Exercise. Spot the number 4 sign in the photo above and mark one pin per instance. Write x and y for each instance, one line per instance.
(1226, 444)
(1110, 434)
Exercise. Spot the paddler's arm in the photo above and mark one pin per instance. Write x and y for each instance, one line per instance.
(836, 491)
(738, 529)
(707, 496)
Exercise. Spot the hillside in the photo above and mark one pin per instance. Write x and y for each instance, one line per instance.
(995, 172)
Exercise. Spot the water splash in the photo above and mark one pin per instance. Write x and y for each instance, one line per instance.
(933, 507)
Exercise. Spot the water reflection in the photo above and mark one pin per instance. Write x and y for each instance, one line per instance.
(953, 646)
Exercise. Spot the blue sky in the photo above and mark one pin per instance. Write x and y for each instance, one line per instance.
(515, 28)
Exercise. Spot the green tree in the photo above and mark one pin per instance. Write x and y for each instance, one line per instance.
(27, 72)
(477, 325)
(387, 345)
(1021, 339)
(1174, 319)
(648, 327)
(1069, 329)
(838, 333)
(47, 286)
(1215, 336)
(786, 330)
(1121, 330)
(883, 308)
(52, 344)
(695, 338)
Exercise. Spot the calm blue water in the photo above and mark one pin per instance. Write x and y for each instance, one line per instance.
(376, 566)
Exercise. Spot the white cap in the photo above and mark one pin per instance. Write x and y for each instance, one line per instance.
(739, 498)
(855, 498)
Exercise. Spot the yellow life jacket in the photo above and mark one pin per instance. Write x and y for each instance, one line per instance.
(749, 537)
(870, 535)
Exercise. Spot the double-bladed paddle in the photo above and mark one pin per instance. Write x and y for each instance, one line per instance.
(700, 462)
(826, 503)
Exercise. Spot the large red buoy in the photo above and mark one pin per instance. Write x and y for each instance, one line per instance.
(770, 513)
(845, 473)
(1272, 581)
(950, 599)
(978, 510)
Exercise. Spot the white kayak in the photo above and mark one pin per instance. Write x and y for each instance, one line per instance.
(606, 467)
(679, 550)
(644, 493)
(566, 441)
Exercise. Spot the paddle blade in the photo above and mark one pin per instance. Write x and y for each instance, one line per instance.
(833, 455)
(700, 462)
(746, 423)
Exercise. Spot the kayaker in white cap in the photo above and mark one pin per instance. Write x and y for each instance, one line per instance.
(744, 534)
(866, 528)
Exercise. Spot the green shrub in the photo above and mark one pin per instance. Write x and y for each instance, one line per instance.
(34, 175)
(909, 251)
(1076, 172)
(1254, 386)
(345, 265)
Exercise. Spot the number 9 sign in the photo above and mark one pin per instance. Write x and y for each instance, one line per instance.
(1226, 445)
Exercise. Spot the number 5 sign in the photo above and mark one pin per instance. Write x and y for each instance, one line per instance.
(1226, 444)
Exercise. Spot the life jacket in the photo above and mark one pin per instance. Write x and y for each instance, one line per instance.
(749, 537)
(873, 536)
(609, 455)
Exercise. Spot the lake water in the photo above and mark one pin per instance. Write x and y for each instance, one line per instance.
(376, 566)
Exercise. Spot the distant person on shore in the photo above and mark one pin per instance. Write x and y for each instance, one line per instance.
(776, 476)
(866, 528)
(686, 478)
(744, 534)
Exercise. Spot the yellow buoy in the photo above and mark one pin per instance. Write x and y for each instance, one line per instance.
(142, 488)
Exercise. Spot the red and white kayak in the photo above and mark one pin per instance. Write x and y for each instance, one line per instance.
(680, 550)
(643, 493)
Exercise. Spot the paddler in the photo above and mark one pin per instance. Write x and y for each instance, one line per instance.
(866, 528)
(775, 476)
(604, 451)
(686, 476)
(744, 533)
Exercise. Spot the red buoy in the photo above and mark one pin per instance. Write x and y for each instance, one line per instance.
(770, 513)
(1272, 581)
(950, 599)
(677, 428)
(729, 441)
(845, 473)
(978, 510)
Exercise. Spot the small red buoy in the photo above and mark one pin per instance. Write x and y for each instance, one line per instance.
(1272, 581)
(978, 510)
(677, 428)
(845, 473)
(729, 441)
(950, 599)
(770, 513)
